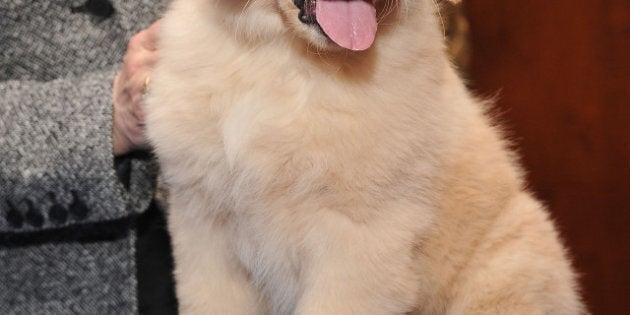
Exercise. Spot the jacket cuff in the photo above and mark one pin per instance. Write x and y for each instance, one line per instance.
(57, 156)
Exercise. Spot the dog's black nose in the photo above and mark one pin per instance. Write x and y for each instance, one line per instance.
(299, 4)
(307, 11)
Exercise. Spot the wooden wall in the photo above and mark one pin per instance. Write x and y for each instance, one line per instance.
(561, 71)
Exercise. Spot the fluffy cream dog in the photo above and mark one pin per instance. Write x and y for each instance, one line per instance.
(323, 157)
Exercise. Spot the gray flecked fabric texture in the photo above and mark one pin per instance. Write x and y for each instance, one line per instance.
(55, 142)
(69, 278)
(56, 71)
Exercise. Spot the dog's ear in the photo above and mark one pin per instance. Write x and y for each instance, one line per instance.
(454, 1)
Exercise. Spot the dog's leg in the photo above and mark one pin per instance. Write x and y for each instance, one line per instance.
(519, 268)
(357, 268)
(208, 278)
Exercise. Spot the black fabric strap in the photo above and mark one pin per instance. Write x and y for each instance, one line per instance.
(154, 260)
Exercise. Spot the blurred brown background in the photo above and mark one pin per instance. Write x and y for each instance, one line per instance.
(561, 73)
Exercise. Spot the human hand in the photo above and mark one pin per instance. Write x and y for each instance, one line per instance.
(130, 86)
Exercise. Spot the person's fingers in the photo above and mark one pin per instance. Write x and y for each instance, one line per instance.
(136, 137)
(141, 51)
(121, 96)
(150, 59)
(150, 36)
(128, 129)
(137, 110)
(137, 88)
(138, 85)
(137, 61)
(130, 87)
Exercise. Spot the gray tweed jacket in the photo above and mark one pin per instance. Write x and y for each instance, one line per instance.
(60, 252)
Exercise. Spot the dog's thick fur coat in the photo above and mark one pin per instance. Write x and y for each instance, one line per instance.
(307, 179)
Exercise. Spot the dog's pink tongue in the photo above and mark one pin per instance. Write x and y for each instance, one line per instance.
(350, 24)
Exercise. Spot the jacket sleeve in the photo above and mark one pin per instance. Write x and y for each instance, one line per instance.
(56, 162)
